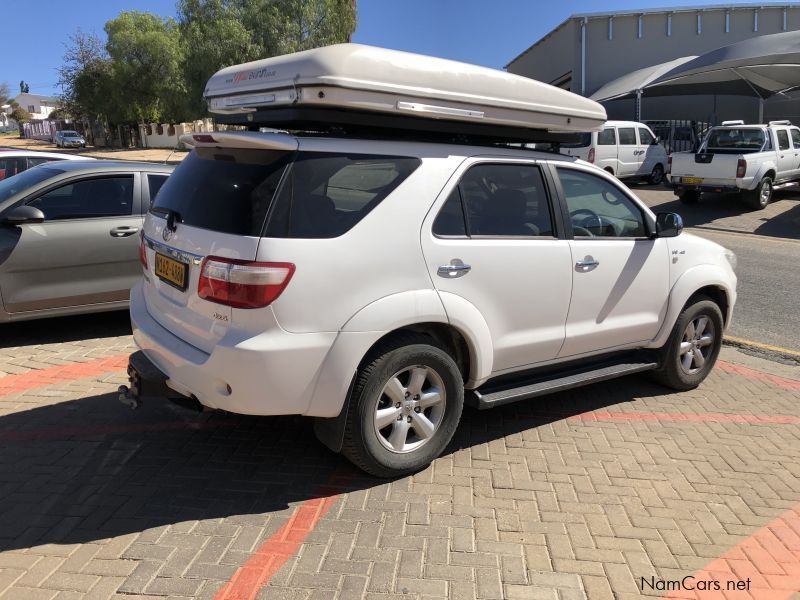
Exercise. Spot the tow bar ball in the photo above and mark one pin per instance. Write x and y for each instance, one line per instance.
(127, 398)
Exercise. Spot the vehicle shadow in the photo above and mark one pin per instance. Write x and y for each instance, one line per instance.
(65, 329)
(89, 469)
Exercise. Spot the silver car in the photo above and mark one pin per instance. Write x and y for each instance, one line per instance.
(69, 236)
(70, 139)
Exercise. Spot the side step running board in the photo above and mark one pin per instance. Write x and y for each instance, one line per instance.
(555, 383)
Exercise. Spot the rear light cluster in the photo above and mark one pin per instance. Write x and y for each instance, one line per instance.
(669, 164)
(242, 283)
(591, 156)
(741, 167)
(142, 250)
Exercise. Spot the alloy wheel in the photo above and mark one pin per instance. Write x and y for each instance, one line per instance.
(409, 409)
(697, 344)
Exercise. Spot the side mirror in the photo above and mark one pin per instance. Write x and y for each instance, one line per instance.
(656, 140)
(23, 214)
(668, 225)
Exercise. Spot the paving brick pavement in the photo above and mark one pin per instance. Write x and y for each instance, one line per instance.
(578, 495)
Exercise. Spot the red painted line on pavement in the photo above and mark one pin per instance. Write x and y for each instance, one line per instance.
(782, 382)
(267, 560)
(770, 558)
(37, 378)
(688, 417)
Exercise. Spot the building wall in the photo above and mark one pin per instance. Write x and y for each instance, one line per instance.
(42, 106)
(554, 59)
(628, 50)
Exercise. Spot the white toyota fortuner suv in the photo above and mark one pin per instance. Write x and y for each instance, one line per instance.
(379, 284)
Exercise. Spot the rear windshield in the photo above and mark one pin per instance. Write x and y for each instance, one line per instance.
(13, 185)
(585, 140)
(735, 138)
(227, 190)
(316, 195)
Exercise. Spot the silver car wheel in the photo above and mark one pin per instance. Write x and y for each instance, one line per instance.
(697, 344)
(766, 193)
(409, 409)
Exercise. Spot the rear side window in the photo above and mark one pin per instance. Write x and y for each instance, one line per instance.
(607, 137)
(155, 182)
(324, 195)
(627, 136)
(783, 139)
(795, 138)
(228, 190)
(584, 141)
(500, 200)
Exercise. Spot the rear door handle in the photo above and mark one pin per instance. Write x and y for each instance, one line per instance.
(123, 231)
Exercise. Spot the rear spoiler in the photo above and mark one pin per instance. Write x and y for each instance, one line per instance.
(242, 139)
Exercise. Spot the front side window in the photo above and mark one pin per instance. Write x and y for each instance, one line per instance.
(599, 208)
(645, 137)
(783, 139)
(607, 137)
(501, 200)
(89, 198)
(627, 136)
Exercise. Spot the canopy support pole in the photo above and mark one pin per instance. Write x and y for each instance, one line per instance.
(760, 110)
(637, 111)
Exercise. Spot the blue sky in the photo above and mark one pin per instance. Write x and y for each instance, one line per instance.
(485, 32)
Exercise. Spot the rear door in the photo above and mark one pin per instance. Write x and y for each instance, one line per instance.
(620, 276)
(628, 155)
(794, 133)
(86, 250)
(492, 239)
(650, 153)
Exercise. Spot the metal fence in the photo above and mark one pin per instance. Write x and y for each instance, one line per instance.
(679, 135)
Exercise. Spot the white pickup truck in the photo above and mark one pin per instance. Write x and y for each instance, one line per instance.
(750, 160)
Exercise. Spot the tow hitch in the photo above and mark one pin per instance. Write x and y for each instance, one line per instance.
(145, 379)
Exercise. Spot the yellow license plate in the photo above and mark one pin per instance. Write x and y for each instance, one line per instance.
(694, 180)
(172, 271)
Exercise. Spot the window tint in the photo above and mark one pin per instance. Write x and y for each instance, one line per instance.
(783, 139)
(226, 190)
(607, 137)
(99, 197)
(324, 195)
(450, 220)
(155, 182)
(505, 200)
(795, 138)
(645, 137)
(627, 136)
(599, 208)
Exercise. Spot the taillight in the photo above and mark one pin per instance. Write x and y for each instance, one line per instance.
(142, 250)
(741, 167)
(591, 155)
(669, 164)
(243, 283)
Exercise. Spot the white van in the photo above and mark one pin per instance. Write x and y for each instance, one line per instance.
(625, 149)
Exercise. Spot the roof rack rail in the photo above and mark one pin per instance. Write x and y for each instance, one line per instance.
(782, 122)
(368, 91)
(732, 123)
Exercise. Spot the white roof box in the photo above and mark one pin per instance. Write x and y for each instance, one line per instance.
(352, 85)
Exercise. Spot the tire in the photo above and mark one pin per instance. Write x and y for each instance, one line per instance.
(689, 197)
(760, 197)
(656, 175)
(398, 448)
(679, 372)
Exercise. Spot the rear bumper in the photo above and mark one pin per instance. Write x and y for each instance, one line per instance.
(271, 373)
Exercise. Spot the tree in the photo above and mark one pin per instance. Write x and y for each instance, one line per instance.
(24, 88)
(86, 79)
(5, 92)
(254, 29)
(146, 56)
(19, 114)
